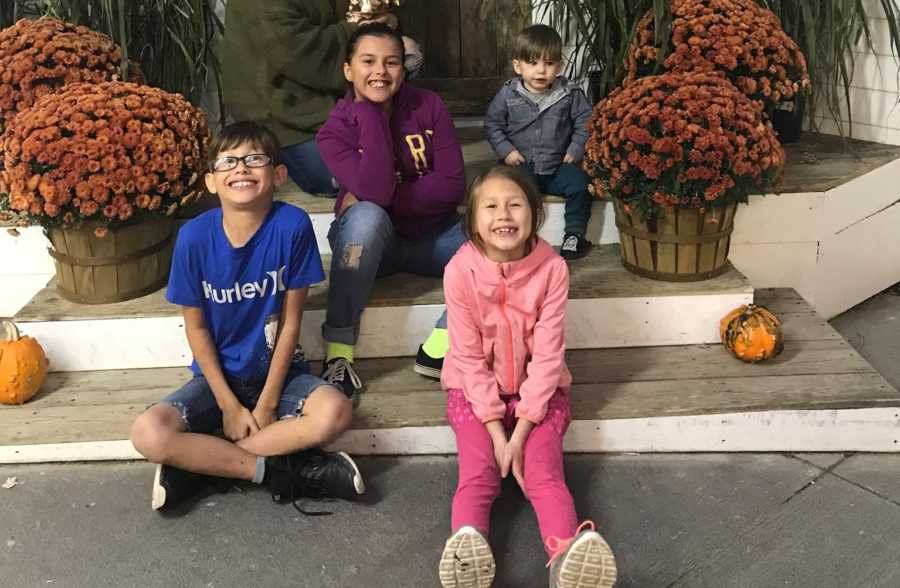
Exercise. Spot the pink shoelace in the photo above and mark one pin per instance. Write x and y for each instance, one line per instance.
(558, 546)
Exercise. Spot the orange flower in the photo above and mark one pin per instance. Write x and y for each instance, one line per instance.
(690, 139)
(79, 152)
(738, 38)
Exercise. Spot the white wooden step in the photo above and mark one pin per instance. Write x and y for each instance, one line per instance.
(835, 211)
(608, 307)
(819, 395)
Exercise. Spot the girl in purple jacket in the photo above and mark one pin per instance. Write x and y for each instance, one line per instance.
(393, 150)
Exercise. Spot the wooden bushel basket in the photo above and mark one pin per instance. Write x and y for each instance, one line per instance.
(684, 245)
(129, 262)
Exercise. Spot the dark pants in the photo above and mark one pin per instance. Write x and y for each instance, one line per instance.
(307, 169)
(570, 182)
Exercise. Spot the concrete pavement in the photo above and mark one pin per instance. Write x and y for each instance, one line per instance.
(716, 520)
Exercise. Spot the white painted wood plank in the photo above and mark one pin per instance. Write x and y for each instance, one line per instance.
(25, 254)
(855, 200)
(778, 218)
(112, 344)
(779, 265)
(153, 342)
(640, 322)
(67, 452)
(860, 131)
(871, 107)
(16, 291)
(867, 429)
(876, 72)
(858, 262)
(601, 228)
(878, 27)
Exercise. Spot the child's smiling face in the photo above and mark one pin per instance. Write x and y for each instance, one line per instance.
(503, 219)
(375, 69)
(537, 74)
(244, 186)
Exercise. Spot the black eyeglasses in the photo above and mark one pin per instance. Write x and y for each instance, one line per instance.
(230, 162)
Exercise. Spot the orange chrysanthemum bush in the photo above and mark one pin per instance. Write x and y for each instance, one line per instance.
(737, 37)
(111, 151)
(681, 140)
(39, 56)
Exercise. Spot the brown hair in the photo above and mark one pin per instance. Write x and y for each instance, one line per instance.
(522, 179)
(238, 133)
(536, 42)
(372, 29)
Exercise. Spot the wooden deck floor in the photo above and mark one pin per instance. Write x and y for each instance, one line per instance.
(818, 370)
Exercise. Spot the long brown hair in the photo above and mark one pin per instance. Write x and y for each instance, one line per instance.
(524, 181)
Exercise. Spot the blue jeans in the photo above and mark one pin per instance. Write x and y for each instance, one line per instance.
(571, 182)
(365, 246)
(201, 413)
(307, 169)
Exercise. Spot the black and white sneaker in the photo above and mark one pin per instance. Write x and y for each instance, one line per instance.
(339, 373)
(574, 246)
(428, 366)
(172, 486)
(313, 473)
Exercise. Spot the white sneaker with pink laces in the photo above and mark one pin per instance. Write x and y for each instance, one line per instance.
(583, 561)
(467, 561)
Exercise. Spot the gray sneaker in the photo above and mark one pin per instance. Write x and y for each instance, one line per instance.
(586, 562)
(467, 561)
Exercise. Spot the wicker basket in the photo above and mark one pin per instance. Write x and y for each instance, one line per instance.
(684, 245)
(129, 262)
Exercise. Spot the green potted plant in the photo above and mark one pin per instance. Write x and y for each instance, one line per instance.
(598, 33)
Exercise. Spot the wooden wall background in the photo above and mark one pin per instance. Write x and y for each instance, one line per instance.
(467, 46)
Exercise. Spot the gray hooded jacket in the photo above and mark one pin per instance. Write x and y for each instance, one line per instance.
(543, 135)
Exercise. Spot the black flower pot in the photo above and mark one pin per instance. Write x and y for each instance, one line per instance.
(595, 89)
(787, 119)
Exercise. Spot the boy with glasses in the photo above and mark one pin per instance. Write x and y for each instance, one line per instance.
(241, 274)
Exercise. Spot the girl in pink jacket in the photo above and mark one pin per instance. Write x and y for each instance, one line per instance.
(508, 386)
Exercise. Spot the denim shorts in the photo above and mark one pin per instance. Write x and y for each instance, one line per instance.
(201, 413)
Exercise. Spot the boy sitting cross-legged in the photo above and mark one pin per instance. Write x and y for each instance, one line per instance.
(241, 274)
(538, 121)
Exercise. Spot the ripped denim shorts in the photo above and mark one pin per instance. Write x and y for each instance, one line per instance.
(201, 413)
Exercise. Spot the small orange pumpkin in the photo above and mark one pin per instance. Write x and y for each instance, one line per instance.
(752, 333)
(23, 365)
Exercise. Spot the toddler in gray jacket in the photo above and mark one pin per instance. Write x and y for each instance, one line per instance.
(538, 120)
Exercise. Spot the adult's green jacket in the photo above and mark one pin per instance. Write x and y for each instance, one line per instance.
(282, 63)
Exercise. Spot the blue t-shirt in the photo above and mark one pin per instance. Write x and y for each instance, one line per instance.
(241, 290)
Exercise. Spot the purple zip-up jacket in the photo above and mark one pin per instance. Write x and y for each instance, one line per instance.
(409, 163)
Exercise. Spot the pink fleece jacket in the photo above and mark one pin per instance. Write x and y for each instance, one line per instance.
(506, 323)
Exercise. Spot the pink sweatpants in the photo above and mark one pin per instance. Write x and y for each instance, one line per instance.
(479, 476)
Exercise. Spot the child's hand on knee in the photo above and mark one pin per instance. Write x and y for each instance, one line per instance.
(349, 200)
(263, 416)
(238, 423)
(513, 460)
